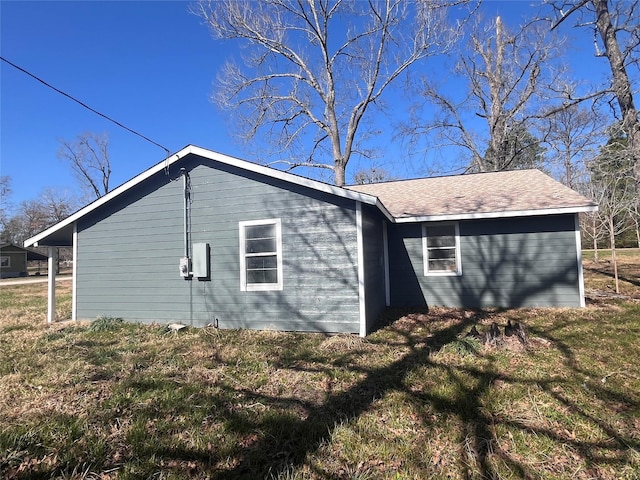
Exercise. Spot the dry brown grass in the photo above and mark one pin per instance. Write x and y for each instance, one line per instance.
(600, 278)
(406, 402)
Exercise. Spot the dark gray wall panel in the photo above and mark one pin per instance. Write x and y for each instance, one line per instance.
(128, 253)
(375, 295)
(529, 261)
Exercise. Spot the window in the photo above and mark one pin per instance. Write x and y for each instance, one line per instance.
(5, 262)
(260, 255)
(441, 247)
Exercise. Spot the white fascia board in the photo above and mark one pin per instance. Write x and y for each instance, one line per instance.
(219, 157)
(105, 198)
(362, 305)
(579, 262)
(280, 175)
(287, 177)
(384, 211)
(486, 215)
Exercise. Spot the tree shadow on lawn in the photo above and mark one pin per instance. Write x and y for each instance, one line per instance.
(280, 441)
(295, 426)
(287, 441)
(620, 447)
(606, 269)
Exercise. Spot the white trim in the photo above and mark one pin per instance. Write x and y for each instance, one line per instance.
(361, 285)
(385, 246)
(384, 210)
(285, 176)
(506, 214)
(294, 179)
(255, 287)
(51, 287)
(425, 251)
(74, 274)
(579, 258)
(218, 157)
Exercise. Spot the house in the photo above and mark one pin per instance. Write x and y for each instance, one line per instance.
(13, 260)
(203, 238)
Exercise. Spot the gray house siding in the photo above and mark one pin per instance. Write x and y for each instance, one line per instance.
(513, 262)
(374, 267)
(128, 253)
(15, 262)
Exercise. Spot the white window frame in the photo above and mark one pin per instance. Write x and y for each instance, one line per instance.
(254, 287)
(425, 250)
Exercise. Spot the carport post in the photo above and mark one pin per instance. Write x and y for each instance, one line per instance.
(51, 294)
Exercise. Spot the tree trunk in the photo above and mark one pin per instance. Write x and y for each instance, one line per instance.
(595, 246)
(339, 173)
(614, 260)
(621, 83)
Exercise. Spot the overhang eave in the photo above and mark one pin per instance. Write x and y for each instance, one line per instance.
(59, 238)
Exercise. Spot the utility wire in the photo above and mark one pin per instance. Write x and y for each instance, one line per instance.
(85, 105)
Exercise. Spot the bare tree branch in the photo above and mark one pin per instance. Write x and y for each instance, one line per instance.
(617, 24)
(573, 135)
(315, 65)
(613, 187)
(510, 78)
(88, 157)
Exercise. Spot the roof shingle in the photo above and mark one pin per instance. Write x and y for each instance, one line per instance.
(508, 192)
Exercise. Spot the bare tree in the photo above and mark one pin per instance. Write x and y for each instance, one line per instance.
(88, 157)
(617, 24)
(572, 134)
(635, 218)
(58, 204)
(613, 188)
(592, 228)
(313, 68)
(33, 216)
(372, 175)
(5, 192)
(509, 75)
(5, 187)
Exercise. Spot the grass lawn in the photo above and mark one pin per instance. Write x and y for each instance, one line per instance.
(414, 400)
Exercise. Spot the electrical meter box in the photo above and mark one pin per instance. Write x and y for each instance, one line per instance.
(201, 260)
(185, 267)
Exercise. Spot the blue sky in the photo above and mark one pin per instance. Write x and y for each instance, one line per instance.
(148, 64)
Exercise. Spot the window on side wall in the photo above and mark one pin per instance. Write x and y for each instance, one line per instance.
(441, 249)
(260, 255)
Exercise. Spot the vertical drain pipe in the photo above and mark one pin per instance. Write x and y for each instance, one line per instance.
(185, 187)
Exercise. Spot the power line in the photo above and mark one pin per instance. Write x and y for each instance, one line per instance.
(85, 105)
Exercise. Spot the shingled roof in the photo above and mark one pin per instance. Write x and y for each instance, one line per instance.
(481, 195)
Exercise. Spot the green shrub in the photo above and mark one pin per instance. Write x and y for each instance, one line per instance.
(105, 324)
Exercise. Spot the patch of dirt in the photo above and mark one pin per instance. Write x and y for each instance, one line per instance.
(435, 318)
(597, 297)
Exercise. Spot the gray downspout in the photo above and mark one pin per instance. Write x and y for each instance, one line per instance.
(185, 187)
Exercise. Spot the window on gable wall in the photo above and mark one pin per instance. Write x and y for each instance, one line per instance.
(260, 255)
(441, 249)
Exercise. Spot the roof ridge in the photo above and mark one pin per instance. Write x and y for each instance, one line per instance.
(453, 175)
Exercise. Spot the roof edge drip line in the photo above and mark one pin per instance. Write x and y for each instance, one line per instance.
(290, 178)
(489, 215)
